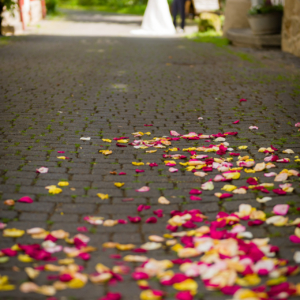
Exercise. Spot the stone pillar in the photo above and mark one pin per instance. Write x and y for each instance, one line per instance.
(236, 14)
(291, 27)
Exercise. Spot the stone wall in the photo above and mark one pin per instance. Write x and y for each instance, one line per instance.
(291, 27)
(236, 14)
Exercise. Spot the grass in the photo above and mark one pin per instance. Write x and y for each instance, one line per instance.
(218, 40)
(4, 40)
(131, 10)
(210, 36)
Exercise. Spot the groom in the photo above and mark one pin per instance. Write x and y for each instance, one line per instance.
(179, 7)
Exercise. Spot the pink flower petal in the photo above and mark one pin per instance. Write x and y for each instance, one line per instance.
(25, 199)
(139, 171)
(174, 133)
(143, 189)
(122, 173)
(173, 170)
(243, 100)
(281, 209)
(271, 174)
(148, 125)
(42, 170)
(236, 122)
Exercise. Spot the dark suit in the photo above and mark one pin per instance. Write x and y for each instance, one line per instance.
(179, 7)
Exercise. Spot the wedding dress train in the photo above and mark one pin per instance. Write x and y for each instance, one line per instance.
(157, 19)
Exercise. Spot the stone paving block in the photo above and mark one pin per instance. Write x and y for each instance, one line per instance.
(77, 208)
(37, 207)
(50, 98)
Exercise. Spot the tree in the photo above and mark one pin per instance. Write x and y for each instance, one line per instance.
(9, 4)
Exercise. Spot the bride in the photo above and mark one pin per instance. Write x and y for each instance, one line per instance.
(157, 19)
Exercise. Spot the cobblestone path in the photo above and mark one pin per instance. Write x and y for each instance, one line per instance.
(55, 90)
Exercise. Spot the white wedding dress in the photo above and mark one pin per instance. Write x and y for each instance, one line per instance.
(157, 19)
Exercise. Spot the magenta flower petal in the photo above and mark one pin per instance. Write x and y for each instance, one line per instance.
(134, 219)
(236, 122)
(195, 198)
(151, 220)
(184, 295)
(139, 250)
(65, 277)
(295, 239)
(279, 192)
(25, 199)
(158, 213)
(82, 229)
(139, 276)
(195, 192)
(9, 252)
(84, 256)
(252, 181)
(255, 222)
(153, 165)
(226, 195)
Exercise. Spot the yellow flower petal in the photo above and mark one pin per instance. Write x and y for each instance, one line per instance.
(106, 140)
(235, 175)
(63, 183)
(119, 184)
(76, 284)
(186, 285)
(13, 232)
(229, 188)
(123, 141)
(243, 147)
(103, 196)
(105, 152)
(54, 190)
(137, 163)
(148, 295)
(25, 258)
